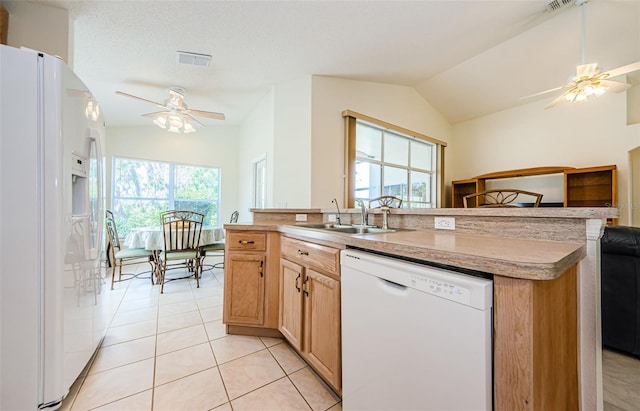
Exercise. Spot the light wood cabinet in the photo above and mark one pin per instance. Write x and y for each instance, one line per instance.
(251, 282)
(535, 358)
(244, 289)
(310, 305)
(322, 325)
(291, 302)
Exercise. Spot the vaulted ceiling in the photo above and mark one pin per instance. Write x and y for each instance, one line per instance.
(467, 58)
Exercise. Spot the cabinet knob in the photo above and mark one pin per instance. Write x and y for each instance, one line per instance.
(246, 241)
(297, 285)
(300, 252)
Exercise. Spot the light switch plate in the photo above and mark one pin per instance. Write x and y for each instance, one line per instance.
(444, 223)
(301, 217)
(331, 218)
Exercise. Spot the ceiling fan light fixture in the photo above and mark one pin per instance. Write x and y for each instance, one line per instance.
(584, 90)
(580, 97)
(188, 128)
(600, 90)
(176, 115)
(160, 121)
(92, 111)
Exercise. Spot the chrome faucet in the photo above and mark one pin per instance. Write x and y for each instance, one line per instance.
(337, 208)
(385, 217)
(364, 218)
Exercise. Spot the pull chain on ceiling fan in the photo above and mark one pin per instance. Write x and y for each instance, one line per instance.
(589, 80)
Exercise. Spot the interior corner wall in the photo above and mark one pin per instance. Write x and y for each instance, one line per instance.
(574, 135)
(210, 147)
(398, 105)
(255, 140)
(40, 27)
(292, 144)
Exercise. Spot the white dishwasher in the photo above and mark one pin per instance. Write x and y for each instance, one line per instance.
(414, 337)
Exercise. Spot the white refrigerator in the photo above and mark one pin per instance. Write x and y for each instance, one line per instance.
(53, 309)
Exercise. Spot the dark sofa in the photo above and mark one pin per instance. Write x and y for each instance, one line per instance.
(620, 274)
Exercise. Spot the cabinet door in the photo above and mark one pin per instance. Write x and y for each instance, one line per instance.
(244, 289)
(322, 325)
(290, 324)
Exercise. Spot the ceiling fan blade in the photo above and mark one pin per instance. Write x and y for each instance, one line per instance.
(615, 86)
(195, 122)
(586, 70)
(155, 113)
(78, 93)
(139, 98)
(542, 92)
(208, 114)
(557, 100)
(622, 70)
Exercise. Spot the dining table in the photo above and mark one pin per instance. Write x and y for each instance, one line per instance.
(151, 238)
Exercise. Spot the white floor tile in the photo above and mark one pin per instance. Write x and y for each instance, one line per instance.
(250, 372)
(160, 353)
(181, 363)
(197, 392)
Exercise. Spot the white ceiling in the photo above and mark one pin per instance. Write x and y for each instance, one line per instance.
(468, 57)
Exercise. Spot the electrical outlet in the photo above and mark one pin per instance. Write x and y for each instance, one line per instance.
(301, 217)
(331, 218)
(444, 223)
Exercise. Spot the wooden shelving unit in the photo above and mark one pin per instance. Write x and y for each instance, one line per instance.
(461, 188)
(583, 187)
(590, 187)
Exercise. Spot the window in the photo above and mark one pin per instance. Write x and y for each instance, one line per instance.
(387, 160)
(142, 189)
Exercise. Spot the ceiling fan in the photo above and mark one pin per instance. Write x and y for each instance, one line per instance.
(589, 79)
(176, 117)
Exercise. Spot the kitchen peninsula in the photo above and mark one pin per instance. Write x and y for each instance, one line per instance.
(545, 267)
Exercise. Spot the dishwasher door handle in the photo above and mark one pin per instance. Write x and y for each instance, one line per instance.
(392, 288)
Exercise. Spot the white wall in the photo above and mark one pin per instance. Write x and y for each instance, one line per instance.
(211, 147)
(292, 144)
(255, 139)
(577, 135)
(40, 27)
(398, 105)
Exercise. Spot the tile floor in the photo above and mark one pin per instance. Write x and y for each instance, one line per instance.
(171, 352)
(621, 381)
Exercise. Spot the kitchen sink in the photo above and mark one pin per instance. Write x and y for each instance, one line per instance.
(348, 229)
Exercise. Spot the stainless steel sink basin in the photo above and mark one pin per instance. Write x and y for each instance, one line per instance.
(348, 229)
(363, 230)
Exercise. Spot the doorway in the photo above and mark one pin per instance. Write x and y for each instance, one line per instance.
(260, 182)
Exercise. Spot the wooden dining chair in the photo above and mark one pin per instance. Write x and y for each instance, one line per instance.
(385, 201)
(119, 257)
(500, 198)
(217, 248)
(181, 230)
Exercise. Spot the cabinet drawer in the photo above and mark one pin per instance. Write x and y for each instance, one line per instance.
(238, 241)
(312, 255)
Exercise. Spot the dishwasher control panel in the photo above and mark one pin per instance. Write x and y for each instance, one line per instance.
(448, 290)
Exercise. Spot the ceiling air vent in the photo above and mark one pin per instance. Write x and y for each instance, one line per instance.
(195, 59)
(558, 4)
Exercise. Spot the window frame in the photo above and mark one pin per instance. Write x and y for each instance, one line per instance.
(351, 119)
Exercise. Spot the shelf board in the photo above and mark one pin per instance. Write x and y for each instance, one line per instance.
(525, 172)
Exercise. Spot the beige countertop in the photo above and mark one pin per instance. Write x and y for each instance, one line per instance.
(509, 257)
